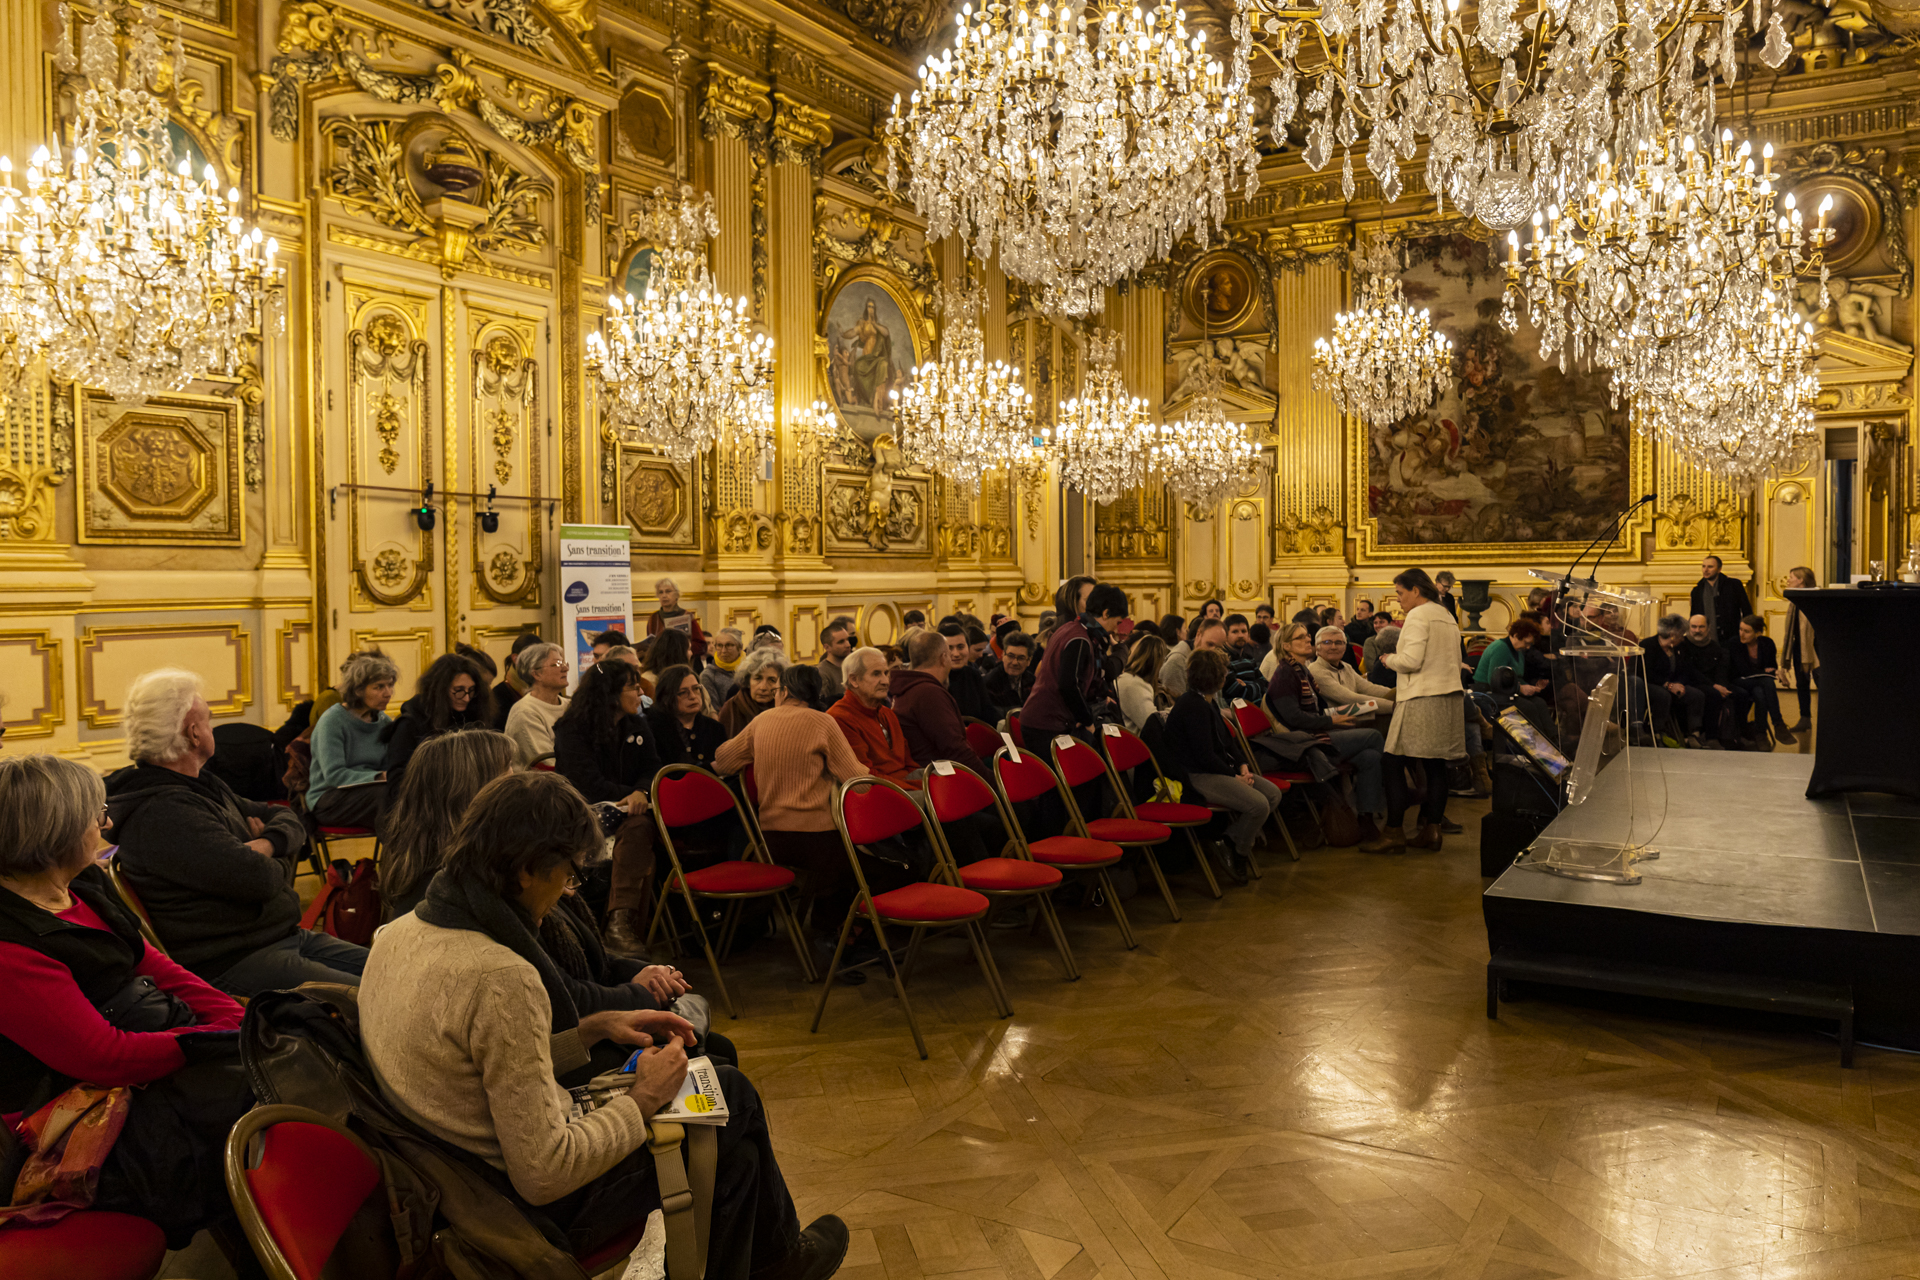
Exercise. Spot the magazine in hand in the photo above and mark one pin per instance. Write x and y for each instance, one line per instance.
(699, 1100)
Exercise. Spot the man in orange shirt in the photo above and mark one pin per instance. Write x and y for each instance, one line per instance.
(872, 729)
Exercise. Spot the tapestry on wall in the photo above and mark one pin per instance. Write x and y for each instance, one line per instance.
(1515, 450)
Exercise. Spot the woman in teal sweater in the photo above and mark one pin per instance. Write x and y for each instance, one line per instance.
(1505, 652)
(348, 748)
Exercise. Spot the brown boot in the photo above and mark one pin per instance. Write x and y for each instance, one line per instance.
(1392, 840)
(1429, 837)
(1369, 829)
(1482, 776)
(622, 934)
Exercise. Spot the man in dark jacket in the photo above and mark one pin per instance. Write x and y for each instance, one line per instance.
(1009, 685)
(1721, 601)
(969, 690)
(1712, 667)
(215, 872)
(928, 714)
(1673, 690)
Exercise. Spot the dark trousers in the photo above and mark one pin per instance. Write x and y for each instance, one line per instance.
(823, 878)
(359, 807)
(1803, 683)
(1726, 713)
(1433, 808)
(754, 1225)
(1684, 712)
(1766, 703)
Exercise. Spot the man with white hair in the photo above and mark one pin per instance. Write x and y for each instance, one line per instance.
(214, 871)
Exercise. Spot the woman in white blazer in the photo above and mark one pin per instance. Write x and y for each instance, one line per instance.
(1429, 712)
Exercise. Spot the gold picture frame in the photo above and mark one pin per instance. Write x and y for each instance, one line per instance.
(162, 473)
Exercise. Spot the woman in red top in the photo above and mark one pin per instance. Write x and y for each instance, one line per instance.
(670, 616)
(69, 950)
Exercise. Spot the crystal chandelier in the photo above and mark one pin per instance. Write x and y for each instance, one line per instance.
(1084, 142)
(682, 367)
(1204, 458)
(1513, 104)
(119, 270)
(1102, 438)
(1385, 360)
(1678, 244)
(961, 415)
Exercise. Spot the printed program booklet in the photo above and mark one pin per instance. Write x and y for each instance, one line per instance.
(699, 1100)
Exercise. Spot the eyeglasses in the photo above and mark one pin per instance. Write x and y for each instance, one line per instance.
(459, 692)
(577, 880)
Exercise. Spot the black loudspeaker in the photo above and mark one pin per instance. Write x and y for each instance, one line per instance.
(1504, 835)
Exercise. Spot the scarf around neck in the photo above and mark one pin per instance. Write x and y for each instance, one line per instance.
(462, 902)
(726, 666)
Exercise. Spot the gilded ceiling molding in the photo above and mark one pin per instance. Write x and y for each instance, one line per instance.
(903, 25)
(512, 20)
(801, 134)
(734, 105)
(1296, 247)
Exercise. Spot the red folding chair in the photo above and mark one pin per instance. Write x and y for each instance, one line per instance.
(1247, 720)
(867, 811)
(1078, 764)
(320, 838)
(682, 796)
(983, 738)
(91, 1244)
(1024, 776)
(1125, 751)
(956, 793)
(297, 1181)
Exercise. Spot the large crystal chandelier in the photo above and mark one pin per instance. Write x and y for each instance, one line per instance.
(1512, 104)
(962, 415)
(683, 368)
(118, 269)
(1103, 438)
(1385, 360)
(1681, 242)
(1204, 458)
(1084, 142)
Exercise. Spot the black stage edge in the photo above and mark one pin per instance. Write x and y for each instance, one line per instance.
(1754, 881)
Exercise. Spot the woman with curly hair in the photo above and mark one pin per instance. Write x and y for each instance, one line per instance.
(604, 747)
(454, 693)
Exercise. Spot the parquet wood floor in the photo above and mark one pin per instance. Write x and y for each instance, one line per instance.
(1301, 1081)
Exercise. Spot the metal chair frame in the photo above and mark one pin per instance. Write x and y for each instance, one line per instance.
(1042, 894)
(1291, 778)
(677, 879)
(1112, 733)
(863, 897)
(1014, 829)
(131, 900)
(1146, 847)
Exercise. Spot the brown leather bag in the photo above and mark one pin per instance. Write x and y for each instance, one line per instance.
(1339, 823)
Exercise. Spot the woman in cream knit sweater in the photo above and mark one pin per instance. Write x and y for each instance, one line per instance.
(467, 1022)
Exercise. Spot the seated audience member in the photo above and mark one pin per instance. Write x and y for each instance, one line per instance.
(754, 688)
(797, 754)
(603, 746)
(1712, 667)
(683, 732)
(427, 808)
(1173, 671)
(514, 687)
(836, 642)
(924, 705)
(1756, 664)
(1238, 635)
(622, 653)
(1213, 610)
(1537, 657)
(1012, 681)
(214, 871)
(1199, 739)
(1260, 636)
(1370, 647)
(1311, 736)
(669, 649)
(68, 948)
(1071, 688)
(468, 1023)
(1263, 615)
(767, 636)
(912, 618)
(1360, 630)
(611, 638)
(873, 730)
(1339, 682)
(1173, 629)
(671, 617)
(1385, 641)
(1137, 687)
(895, 654)
(1506, 654)
(1244, 678)
(717, 677)
(543, 667)
(349, 747)
(964, 682)
(1674, 692)
(451, 694)
(980, 654)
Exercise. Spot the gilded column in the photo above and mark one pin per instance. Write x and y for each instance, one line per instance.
(1310, 516)
(801, 135)
(1143, 541)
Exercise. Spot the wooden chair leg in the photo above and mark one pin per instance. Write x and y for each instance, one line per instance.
(1045, 901)
(1119, 912)
(988, 969)
(795, 936)
(833, 968)
(1159, 878)
(1206, 863)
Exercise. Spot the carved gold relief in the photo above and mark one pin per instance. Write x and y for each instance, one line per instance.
(33, 458)
(167, 471)
(1316, 534)
(502, 411)
(1689, 524)
(389, 418)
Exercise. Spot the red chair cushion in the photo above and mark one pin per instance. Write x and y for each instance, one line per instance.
(739, 877)
(1078, 764)
(91, 1244)
(983, 739)
(1124, 749)
(1004, 874)
(1285, 780)
(1025, 779)
(956, 795)
(929, 902)
(877, 813)
(688, 798)
(1128, 831)
(599, 1259)
(308, 1185)
(1072, 851)
(1253, 719)
(347, 833)
(1179, 815)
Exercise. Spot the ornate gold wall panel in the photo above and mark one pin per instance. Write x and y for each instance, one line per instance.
(34, 702)
(1309, 462)
(661, 501)
(36, 454)
(111, 656)
(164, 472)
(505, 437)
(412, 651)
(389, 426)
(293, 653)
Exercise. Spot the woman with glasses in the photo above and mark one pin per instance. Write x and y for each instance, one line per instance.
(469, 1024)
(754, 689)
(605, 748)
(451, 694)
(683, 732)
(543, 669)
